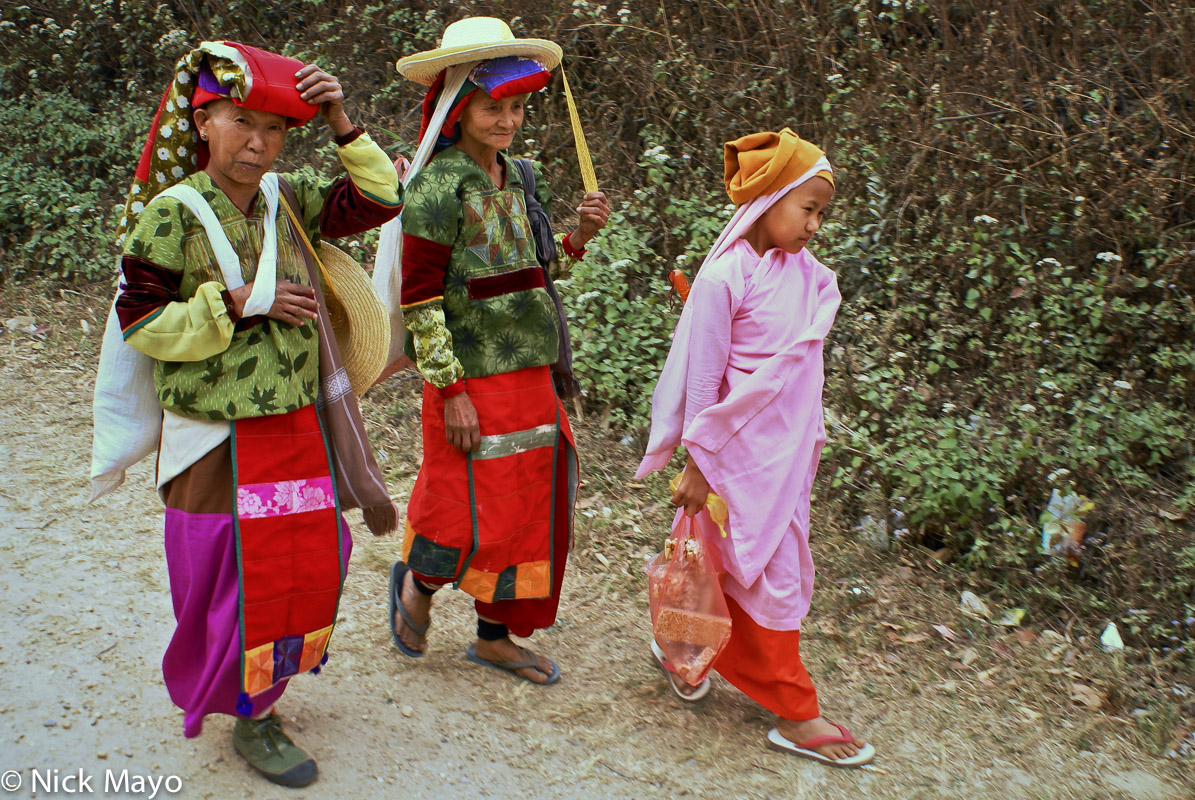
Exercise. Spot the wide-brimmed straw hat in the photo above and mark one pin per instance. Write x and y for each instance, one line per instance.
(359, 319)
(476, 39)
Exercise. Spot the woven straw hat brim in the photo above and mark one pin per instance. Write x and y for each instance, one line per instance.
(358, 316)
(424, 67)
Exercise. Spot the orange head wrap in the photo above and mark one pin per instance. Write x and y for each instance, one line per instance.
(762, 163)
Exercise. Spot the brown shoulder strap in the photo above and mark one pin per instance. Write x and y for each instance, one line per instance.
(288, 192)
(291, 202)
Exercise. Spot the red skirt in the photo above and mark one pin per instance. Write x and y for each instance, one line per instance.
(766, 666)
(497, 522)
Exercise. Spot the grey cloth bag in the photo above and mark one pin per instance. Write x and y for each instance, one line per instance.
(545, 253)
(359, 482)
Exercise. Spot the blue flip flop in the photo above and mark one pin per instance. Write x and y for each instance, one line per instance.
(398, 571)
(511, 666)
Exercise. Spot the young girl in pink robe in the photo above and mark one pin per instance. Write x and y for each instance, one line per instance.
(742, 391)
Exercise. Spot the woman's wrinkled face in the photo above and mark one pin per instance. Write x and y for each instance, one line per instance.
(242, 143)
(492, 123)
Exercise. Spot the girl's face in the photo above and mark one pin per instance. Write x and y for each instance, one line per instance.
(793, 220)
(492, 123)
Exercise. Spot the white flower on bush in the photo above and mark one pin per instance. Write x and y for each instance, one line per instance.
(1122, 384)
(1028, 408)
(1079, 198)
(948, 407)
(837, 76)
(1058, 473)
(1108, 257)
(1049, 262)
(1053, 387)
(656, 154)
(176, 171)
(985, 219)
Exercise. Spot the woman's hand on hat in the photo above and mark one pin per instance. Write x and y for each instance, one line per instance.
(319, 88)
(594, 213)
(293, 302)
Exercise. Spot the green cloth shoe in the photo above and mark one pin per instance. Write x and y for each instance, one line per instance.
(268, 750)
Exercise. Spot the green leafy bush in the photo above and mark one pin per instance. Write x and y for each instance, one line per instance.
(1012, 229)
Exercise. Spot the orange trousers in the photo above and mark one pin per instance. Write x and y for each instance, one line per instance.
(766, 666)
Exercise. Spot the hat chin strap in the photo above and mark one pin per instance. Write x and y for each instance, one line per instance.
(387, 271)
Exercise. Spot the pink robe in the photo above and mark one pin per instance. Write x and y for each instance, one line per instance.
(742, 391)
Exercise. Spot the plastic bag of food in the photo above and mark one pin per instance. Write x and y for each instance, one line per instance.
(688, 611)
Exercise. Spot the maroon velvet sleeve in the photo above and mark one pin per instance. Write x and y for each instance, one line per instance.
(424, 265)
(347, 211)
(145, 288)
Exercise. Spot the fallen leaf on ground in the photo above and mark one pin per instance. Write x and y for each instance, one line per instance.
(1173, 516)
(1010, 617)
(968, 656)
(973, 607)
(914, 638)
(1026, 636)
(1110, 639)
(1084, 695)
(947, 634)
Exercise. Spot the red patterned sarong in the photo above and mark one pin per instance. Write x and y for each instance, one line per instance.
(288, 537)
(497, 521)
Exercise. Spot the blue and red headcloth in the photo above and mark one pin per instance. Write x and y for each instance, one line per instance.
(498, 77)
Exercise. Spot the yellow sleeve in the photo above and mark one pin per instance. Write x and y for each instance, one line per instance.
(370, 170)
(187, 330)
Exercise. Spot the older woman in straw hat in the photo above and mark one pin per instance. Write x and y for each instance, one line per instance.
(492, 507)
(216, 292)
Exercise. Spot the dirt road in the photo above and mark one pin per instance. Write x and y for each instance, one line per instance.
(86, 617)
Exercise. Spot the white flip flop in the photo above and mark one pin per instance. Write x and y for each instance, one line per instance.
(866, 753)
(700, 692)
